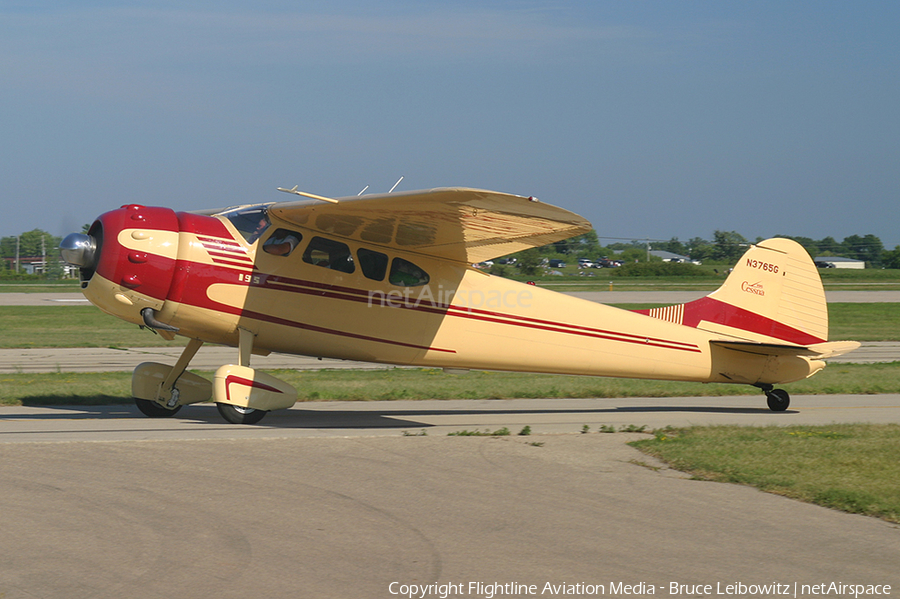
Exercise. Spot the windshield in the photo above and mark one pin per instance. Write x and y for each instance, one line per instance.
(250, 221)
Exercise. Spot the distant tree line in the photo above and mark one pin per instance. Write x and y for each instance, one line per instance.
(35, 250)
(724, 248)
(728, 246)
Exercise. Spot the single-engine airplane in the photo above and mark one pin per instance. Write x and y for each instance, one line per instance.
(388, 278)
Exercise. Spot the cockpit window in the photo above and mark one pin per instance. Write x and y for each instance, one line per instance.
(250, 222)
(330, 254)
(407, 274)
(282, 242)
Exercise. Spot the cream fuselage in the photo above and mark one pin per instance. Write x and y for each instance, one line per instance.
(204, 277)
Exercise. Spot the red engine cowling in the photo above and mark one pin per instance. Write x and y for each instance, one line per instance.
(133, 263)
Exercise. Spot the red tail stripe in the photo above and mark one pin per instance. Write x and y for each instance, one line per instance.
(715, 311)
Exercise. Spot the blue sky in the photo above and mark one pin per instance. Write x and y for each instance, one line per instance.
(651, 119)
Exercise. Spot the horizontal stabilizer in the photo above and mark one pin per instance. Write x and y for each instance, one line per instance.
(819, 351)
(766, 349)
(834, 349)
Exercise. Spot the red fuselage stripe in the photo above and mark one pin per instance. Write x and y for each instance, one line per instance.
(333, 291)
(197, 297)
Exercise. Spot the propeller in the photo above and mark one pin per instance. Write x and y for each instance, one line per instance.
(79, 249)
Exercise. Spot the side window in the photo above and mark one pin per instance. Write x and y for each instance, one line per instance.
(373, 264)
(282, 242)
(407, 274)
(330, 254)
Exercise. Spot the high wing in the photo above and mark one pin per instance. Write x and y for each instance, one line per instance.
(465, 225)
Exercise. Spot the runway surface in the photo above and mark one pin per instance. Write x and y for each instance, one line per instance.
(331, 500)
(435, 417)
(363, 499)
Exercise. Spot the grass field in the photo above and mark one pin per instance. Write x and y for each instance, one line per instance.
(36, 286)
(850, 467)
(411, 383)
(864, 322)
(87, 326)
(71, 326)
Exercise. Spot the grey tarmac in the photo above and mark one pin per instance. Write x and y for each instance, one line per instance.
(332, 500)
(40, 424)
(343, 499)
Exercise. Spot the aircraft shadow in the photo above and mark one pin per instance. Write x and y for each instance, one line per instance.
(71, 412)
(349, 419)
(361, 419)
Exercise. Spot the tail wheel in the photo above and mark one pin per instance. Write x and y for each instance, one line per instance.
(153, 409)
(239, 415)
(778, 400)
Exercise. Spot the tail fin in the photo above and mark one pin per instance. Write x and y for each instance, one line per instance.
(773, 295)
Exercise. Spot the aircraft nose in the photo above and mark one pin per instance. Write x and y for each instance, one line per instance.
(79, 249)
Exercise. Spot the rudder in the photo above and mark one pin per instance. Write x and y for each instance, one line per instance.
(773, 295)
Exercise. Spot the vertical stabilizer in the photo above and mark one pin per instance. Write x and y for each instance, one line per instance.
(773, 295)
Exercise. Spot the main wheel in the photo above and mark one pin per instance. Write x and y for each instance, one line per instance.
(153, 409)
(778, 400)
(239, 415)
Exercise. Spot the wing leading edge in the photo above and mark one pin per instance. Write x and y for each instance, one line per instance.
(461, 224)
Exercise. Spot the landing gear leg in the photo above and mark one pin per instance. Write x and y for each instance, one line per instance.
(167, 395)
(778, 400)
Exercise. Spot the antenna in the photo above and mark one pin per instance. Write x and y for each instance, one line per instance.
(395, 185)
(363, 190)
(294, 191)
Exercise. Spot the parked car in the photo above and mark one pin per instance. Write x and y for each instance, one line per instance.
(607, 263)
(557, 264)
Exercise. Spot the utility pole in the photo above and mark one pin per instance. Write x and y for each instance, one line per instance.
(17, 254)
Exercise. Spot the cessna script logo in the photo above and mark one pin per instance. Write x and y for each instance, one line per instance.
(754, 288)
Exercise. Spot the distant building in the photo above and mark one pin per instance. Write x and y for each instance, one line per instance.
(838, 262)
(31, 265)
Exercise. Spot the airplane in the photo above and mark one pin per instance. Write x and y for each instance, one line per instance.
(388, 278)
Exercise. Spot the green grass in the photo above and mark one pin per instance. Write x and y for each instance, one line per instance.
(414, 384)
(65, 388)
(850, 467)
(71, 326)
(864, 322)
(39, 286)
(87, 326)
